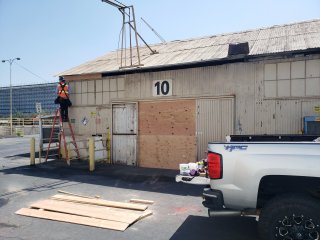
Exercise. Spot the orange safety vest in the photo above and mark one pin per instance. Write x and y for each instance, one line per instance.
(63, 90)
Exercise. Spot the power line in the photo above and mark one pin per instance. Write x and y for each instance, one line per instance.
(31, 72)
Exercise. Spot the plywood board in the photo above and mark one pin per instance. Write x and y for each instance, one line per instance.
(166, 151)
(135, 200)
(167, 133)
(107, 213)
(100, 202)
(167, 118)
(62, 217)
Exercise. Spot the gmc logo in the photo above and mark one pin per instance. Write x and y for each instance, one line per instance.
(230, 148)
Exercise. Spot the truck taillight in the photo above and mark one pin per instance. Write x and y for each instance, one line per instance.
(214, 165)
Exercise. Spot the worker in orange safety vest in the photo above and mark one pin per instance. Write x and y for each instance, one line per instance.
(63, 91)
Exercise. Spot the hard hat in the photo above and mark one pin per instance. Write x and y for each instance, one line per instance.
(61, 78)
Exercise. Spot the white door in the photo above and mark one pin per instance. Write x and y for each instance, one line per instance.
(124, 133)
(215, 120)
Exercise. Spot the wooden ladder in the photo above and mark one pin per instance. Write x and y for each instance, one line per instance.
(58, 119)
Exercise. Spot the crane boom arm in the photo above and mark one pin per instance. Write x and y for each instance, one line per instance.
(115, 3)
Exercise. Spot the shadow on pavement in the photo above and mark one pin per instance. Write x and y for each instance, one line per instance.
(205, 228)
(129, 177)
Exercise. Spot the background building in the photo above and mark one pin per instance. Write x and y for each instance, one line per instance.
(24, 99)
(164, 112)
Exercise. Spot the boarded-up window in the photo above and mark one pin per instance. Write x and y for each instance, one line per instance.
(167, 133)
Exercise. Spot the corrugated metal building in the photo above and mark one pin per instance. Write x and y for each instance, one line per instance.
(164, 112)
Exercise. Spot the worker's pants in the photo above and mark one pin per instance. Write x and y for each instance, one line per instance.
(64, 109)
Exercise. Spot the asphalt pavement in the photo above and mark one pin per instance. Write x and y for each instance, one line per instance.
(177, 209)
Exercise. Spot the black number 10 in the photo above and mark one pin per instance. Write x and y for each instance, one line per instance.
(162, 88)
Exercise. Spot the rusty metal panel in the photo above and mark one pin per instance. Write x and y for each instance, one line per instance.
(215, 120)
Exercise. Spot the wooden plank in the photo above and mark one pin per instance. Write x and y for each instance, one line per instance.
(107, 213)
(100, 202)
(62, 217)
(134, 200)
(145, 214)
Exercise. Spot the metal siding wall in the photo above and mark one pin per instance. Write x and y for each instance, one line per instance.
(215, 120)
(253, 112)
(307, 107)
(78, 114)
(288, 117)
(265, 117)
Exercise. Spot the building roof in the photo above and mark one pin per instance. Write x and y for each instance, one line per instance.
(295, 37)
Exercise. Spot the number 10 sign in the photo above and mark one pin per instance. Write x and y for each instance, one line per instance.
(162, 88)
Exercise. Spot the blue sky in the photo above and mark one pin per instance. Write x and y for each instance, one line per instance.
(51, 36)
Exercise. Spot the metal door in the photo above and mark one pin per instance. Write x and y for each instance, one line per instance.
(215, 120)
(124, 133)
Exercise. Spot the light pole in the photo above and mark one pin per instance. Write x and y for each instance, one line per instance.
(10, 61)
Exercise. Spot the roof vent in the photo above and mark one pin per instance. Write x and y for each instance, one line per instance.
(238, 48)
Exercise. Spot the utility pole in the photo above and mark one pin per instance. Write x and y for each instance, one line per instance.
(10, 61)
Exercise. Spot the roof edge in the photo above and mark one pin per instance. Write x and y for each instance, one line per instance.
(213, 62)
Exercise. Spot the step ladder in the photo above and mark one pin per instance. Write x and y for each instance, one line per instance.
(61, 136)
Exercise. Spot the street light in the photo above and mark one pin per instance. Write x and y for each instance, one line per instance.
(10, 61)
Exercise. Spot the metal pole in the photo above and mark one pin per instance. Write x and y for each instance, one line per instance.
(10, 100)
(91, 154)
(136, 34)
(41, 137)
(10, 62)
(32, 151)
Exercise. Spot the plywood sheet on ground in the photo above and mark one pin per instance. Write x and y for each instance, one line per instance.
(143, 201)
(63, 217)
(107, 213)
(100, 202)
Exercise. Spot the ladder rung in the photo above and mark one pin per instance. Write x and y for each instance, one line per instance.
(51, 155)
(54, 148)
(75, 158)
(51, 139)
(81, 148)
(104, 149)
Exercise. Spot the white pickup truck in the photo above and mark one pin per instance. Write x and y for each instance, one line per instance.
(279, 182)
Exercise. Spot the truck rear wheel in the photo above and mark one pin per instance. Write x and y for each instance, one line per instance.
(290, 217)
